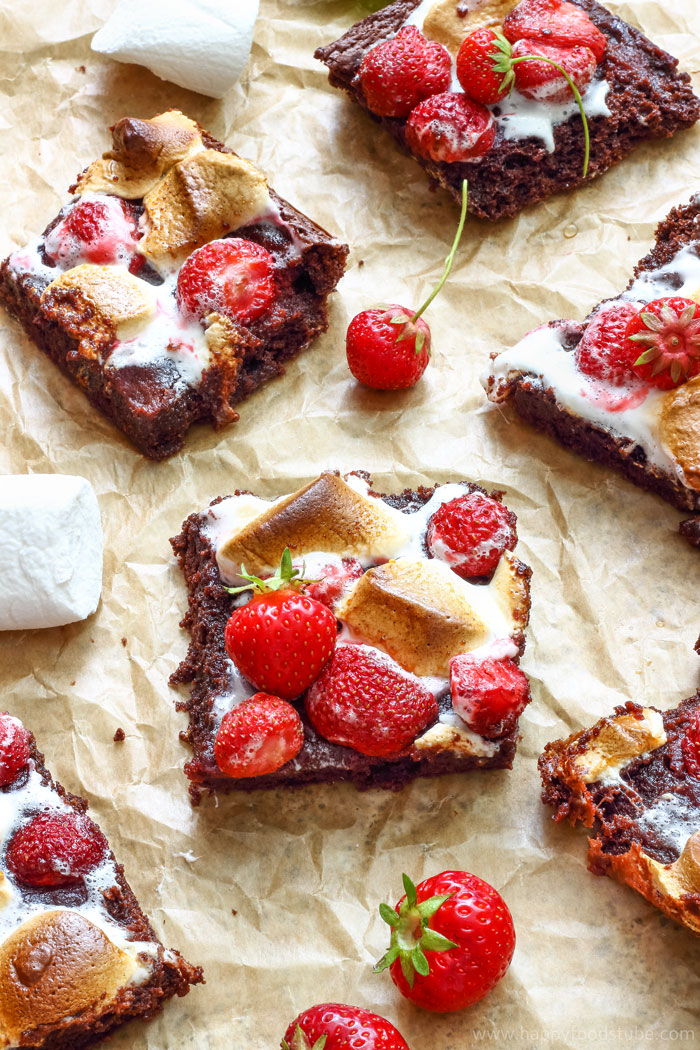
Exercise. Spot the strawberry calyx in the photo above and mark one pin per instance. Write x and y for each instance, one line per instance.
(286, 578)
(301, 1042)
(672, 339)
(504, 63)
(411, 933)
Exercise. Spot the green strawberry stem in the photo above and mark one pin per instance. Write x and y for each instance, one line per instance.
(411, 933)
(577, 96)
(285, 577)
(450, 258)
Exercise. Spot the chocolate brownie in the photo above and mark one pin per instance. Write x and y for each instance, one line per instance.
(78, 957)
(486, 617)
(99, 291)
(633, 779)
(648, 434)
(645, 98)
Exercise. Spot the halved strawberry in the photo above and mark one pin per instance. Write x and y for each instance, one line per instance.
(554, 22)
(544, 83)
(690, 747)
(232, 276)
(470, 533)
(450, 127)
(14, 749)
(603, 352)
(258, 736)
(55, 849)
(489, 695)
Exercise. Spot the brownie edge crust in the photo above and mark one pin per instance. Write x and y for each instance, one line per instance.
(205, 671)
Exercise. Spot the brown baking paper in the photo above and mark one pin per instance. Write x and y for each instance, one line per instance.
(276, 894)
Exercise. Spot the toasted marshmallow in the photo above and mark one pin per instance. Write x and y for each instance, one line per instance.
(681, 877)
(326, 515)
(100, 299)
(680, 429)
(416, 613)
(142, 152)
(5, 891)
(201, 198)
(619, 741)
(455, 738)
(444, 24)
(56, 965)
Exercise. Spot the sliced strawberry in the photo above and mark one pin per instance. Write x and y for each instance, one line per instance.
(450, 128)
(258, 736)
(97, 230)
(55, 849)
(232, 276)
(364, 700)
(603, 352)
(333, 581)
(663, 342)
(399, 73)
(554, 22)
(385, 350)
(14, 749)
(470, 533)
(475, 67)
(489, 695)
(544, 83)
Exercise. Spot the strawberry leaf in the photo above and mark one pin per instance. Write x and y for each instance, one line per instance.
(420, 963)
(388, 914)
(428, 907)
(420, 340)
(410, 891)
(432, 941)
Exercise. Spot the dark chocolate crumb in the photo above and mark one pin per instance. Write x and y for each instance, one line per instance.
(124, 642)
(119, 736)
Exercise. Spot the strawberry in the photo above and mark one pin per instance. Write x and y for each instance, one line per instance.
(364, 700)
(667, 331)
(489, 695)
(99, 231)
(333, 581)
(398, 74)
(55, 849)
(690, 747)
(475, 67)
(452, 940)
(389, 349)
(543, 82)
(450, 128)
(233, 277)
(470, 533)
(281, 639)
(554, 22)
(603, 352)
(386, 349)
(333, 1026)
(14, 749)
(258, 736)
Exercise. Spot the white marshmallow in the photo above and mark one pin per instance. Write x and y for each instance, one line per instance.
(202, 45)
(50, 551)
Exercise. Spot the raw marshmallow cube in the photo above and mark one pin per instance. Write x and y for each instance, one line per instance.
(50, 550)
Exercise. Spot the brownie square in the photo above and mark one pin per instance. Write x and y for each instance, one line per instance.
(647, 98)
(81, 959)
(207, 670)
(156, 384)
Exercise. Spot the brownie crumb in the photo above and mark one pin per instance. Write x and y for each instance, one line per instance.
(690, 530)
(119, 736)
(124, 642)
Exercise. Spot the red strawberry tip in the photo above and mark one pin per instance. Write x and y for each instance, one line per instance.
(286, 578)
(411, 933)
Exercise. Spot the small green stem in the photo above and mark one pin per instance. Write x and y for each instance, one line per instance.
(450, 258)
(577, 96)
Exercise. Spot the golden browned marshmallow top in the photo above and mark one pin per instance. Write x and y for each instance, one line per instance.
(683, 876)
(142, 152)
(325, 515)
(680, 428)
(416, 612)
(55, 966)
(444, 24)
(103, 296)
(619, 741)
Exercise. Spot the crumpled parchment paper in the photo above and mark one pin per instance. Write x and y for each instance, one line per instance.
(276, 895)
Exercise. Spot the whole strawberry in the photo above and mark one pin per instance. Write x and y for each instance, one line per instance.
(14, 749)
(386, 349)
(470, 533)
(281, 639)
(475, 67)
(452, 940)
(489, 695)
(603, 352)
(55, 849)
(365, 701)
(399, 73)
(389, 349)
(667, 332)
(258, 736)
(334, 1026)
